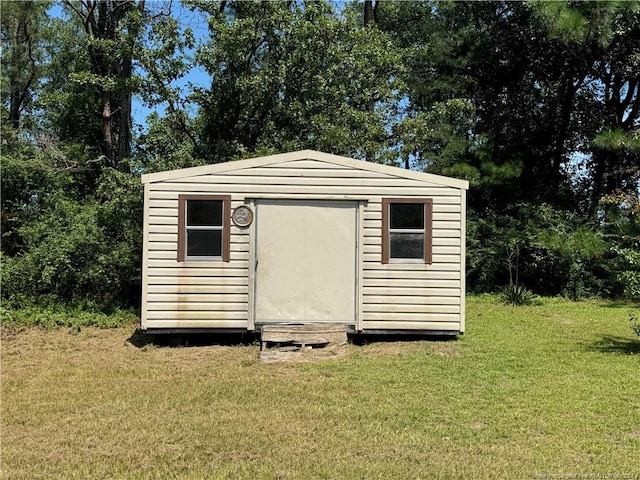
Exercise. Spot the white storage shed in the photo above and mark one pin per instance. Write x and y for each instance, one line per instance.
(303, 238)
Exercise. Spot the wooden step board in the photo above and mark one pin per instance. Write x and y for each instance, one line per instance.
(307, 342)
(309, 334)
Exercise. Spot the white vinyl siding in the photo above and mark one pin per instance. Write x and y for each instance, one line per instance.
(216, 295)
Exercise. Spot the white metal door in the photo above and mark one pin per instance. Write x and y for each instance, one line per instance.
(305, 265)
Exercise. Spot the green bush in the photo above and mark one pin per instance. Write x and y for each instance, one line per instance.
(629, 278)
(76, 316)
(517, 295)
(80, 251)
(540, 247)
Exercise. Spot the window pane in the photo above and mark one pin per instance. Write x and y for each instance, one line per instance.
(204, 243)
(407, 215)
(204, 212)
(406, 245)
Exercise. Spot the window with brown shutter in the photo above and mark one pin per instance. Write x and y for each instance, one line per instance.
(204, 227)
(407, 230)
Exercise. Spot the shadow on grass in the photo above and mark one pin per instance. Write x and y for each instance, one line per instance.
(617, 345)
(621, 303)
(175, 340)
(366, 339)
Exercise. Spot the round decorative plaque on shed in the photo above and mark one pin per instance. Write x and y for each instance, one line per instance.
(242, 216)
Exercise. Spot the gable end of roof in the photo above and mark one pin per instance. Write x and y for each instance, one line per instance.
(304, 155)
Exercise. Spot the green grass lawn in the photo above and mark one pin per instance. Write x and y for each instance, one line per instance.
(547, 391)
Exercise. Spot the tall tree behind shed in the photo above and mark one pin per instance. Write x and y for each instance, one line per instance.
(22, 24)
(112, 28)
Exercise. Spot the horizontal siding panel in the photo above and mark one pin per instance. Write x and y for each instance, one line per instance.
(373, 242)
(198, 297)
(204, 264)
(163, 237)
(168, 204)
(379, 184)
(155, 228)
(447, 233)
(307, 164)
(238, 253)
(166, 239)
(198, 307)
(171, 226)
(166, 254)
(436, 322)
(403, 308)
(167, 246)
(446, 208)
(372, 215)
(411, 291)
(376, 217)
(213, 268)
(446, 259)
(170, 230)
(174, 289)
(410, 317)
(181, 321)
(170, 207)
(322, 171)
(400, 282)
(449, 217)
(196, 272)
(239, 236)
(155, 212)
(372, 260)
(162, 220)
(182, 315)
(375, 203)
(371, 300)
(445, 225)
(180, 282)
(428, 274)
(373, 237)
(446, 250)
(442, 241)
(372, 254)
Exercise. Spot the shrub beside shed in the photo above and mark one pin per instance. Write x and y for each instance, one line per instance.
(303, 238)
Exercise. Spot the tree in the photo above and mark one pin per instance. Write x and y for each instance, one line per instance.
(602, 43)
(112, 28)
(286, 77)
(22, 36)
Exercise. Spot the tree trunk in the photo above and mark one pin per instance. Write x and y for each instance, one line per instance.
(101, 20)
(22, 66)
(106, 129)
(14, 107)
(368, 12)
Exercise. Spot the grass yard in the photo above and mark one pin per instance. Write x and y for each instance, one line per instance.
(549, 391)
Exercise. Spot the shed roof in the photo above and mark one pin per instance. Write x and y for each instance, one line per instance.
(304, 155)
